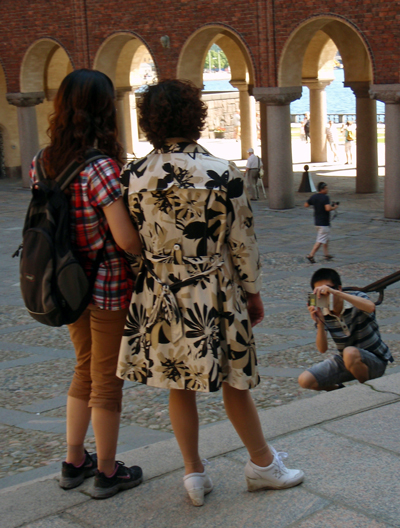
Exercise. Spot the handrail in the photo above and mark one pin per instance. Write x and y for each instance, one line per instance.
(378, 286)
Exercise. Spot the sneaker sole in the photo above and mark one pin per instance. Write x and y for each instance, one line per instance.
(70, 483)
(255, 484)
(100, 493)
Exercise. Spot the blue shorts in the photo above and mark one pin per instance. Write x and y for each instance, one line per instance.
(332, 371)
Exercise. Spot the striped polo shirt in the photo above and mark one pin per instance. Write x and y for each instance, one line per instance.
(354, 327)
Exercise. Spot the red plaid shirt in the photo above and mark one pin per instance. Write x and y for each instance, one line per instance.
(96, 187)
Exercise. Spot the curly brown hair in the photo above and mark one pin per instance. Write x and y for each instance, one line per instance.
(84, 116)
(171, 108)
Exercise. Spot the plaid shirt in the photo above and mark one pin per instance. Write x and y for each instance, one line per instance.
(96, 187)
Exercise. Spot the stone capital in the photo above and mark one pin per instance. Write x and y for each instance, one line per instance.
(242, 86)
(277, 96)
(359, 88)
(121, 91)
(387, 93)
(316, 84)
(25, 99)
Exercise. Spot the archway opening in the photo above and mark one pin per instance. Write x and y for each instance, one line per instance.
(193, 65)
(310, 58)
(10, 164)
(128, 62)
(44, 66)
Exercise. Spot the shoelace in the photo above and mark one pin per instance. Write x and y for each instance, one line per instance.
(205, 463)
(279, 456)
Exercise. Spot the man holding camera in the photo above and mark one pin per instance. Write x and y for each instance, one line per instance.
(350, 320)
(322, 208)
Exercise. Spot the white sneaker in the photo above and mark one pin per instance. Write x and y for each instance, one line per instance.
(274, 476)
(197, 485)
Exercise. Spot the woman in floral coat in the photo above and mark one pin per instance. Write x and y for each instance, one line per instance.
(197, 297)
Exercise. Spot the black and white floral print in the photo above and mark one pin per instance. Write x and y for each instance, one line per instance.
(196, 226)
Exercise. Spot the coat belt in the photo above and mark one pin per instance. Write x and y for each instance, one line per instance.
(166, 301)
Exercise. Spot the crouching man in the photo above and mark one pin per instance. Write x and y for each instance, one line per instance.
(351, 322)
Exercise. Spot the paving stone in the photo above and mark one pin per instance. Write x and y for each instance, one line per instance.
(374, 427)
(229, 504)
(334, 516)
(36, 502)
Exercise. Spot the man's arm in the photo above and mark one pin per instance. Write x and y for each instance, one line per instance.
(329, 207)
(321, 341)
(365, 305)
(306, 204)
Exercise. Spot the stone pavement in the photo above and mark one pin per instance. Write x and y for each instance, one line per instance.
(357, 424)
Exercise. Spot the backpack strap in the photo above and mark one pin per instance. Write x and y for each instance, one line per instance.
(75, 167)
(71, 171)
(41, 173)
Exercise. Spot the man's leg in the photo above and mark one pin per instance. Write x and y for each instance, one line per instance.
(308, 381)
(327, 375)
(353, 363)
(315, 249)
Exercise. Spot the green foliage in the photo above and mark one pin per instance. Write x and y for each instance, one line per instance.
(214, 51)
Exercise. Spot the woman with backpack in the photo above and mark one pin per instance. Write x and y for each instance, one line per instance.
(197, 292)
(85, 117)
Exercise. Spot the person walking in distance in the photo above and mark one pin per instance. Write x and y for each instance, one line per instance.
(332, 137)
(322, 208)
(349, 137)
(197, 294)
(252, 174)
(236, 125)
(85, 117)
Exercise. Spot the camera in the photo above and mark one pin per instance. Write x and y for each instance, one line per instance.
(335, 203)
(325, 302)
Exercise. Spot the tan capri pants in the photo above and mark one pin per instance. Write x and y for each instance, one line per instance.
(96, 336)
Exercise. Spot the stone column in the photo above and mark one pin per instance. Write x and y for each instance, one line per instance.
(124, 118)
(27, 128)
(367, 139)
(248, 130)
(390, 95)
(280, 167)
(318, 116)
(264, 141)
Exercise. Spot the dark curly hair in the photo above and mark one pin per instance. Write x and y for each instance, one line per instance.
(171, 108)
(84, 116)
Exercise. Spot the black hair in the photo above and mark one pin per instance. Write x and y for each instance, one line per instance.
(321, 186)
(324, 274)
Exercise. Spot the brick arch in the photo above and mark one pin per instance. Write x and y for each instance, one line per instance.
(45, 64)
(317, 37)
(120, 54)
(193, 54)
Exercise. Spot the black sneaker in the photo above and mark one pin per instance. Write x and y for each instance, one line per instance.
(123, 479)
(72, 476)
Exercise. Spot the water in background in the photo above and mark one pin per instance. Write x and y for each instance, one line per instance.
(339, 100)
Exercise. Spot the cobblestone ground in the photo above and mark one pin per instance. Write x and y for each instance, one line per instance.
(36, 362)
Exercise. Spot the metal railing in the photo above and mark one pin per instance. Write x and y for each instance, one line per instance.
(378, 286)
(337, 118)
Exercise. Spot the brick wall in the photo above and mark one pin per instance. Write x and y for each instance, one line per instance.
(81, 26)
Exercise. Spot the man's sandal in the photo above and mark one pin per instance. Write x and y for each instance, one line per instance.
(310, 259)
(329, 257)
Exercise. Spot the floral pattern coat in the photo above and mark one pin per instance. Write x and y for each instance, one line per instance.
(188, 325)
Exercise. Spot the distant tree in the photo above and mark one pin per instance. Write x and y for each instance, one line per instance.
(214, 51)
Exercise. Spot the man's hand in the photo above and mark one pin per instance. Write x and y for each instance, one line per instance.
(316, 314)
(324, 290)
(255, 308)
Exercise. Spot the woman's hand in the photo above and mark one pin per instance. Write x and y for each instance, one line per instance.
(255, 308)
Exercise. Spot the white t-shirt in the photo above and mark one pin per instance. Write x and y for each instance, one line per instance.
(252, 162)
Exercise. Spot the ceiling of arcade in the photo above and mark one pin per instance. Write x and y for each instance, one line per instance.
(311, 49)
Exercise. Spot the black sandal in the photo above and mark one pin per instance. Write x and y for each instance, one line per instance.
(310, 259)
